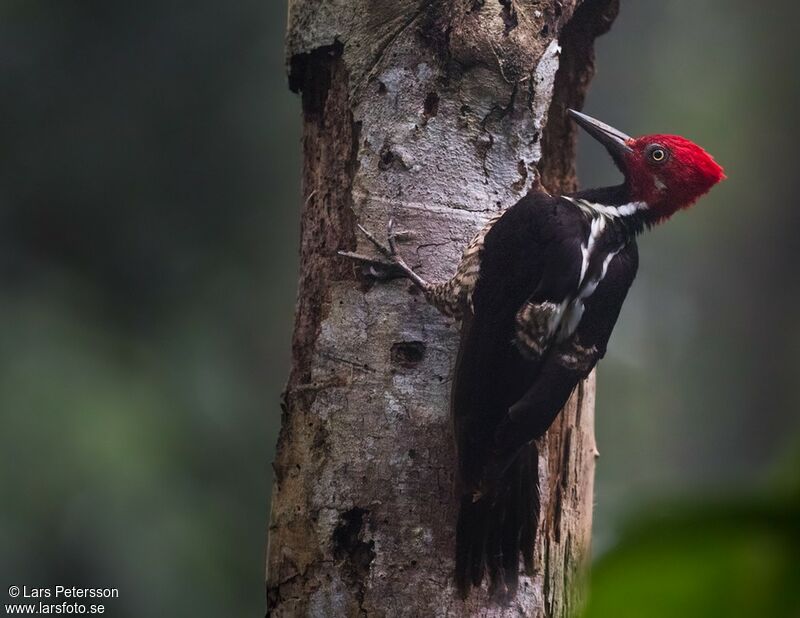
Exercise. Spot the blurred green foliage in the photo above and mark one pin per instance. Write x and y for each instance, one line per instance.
(731, 559)
(149, 208)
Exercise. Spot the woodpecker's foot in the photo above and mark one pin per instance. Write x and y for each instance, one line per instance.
(393, 260)
(382, 270)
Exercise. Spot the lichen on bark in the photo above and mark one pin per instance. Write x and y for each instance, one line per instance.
(433, 113)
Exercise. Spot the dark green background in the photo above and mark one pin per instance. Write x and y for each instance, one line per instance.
(149, 208)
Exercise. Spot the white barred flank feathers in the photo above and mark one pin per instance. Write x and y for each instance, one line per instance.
(536, 323)
(578, 358)
(453, 297)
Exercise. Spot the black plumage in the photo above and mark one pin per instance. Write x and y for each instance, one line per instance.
(503, 399)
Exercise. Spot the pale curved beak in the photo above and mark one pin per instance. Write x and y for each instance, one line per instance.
(616, 142)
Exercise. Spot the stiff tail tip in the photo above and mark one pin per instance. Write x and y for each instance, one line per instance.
(496, 527)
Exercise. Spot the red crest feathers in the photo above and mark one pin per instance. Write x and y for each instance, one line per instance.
(669, 172)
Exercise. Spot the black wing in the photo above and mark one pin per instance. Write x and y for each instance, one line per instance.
(570, 361)
(531, 255)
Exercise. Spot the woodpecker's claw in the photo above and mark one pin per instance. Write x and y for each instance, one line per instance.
(368, 261)
(389, 252)
(383, 249)
(391, 236)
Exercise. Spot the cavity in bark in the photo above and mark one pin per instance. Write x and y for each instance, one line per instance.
(309, 74)
(509, 14)
(431, 105)
(522, 168)
(408, 353)
(356, 554)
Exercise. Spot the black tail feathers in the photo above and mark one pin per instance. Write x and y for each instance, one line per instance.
(494, 530)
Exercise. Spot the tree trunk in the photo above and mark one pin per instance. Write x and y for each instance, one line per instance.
(434, 113)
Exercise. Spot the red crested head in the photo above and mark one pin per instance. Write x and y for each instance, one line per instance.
(666, 172)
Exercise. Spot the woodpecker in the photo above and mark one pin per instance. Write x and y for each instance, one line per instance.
(538, 292)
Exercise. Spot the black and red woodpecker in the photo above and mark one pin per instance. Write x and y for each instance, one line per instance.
(538, 292)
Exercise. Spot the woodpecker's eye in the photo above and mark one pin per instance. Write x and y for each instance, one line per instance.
(657, 154)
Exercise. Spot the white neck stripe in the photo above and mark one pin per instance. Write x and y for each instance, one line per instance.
(623, 210)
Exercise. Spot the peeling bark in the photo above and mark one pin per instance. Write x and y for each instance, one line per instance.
(434, 113)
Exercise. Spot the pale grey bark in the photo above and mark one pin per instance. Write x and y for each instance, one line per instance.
(434, 114)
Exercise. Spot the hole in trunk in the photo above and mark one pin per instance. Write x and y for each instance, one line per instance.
(408, 353)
